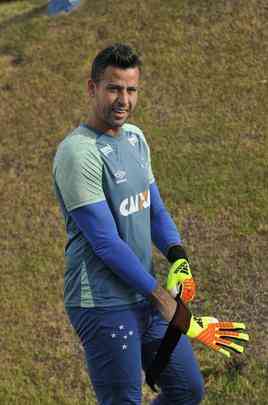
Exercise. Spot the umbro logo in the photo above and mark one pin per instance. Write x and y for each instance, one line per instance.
(120, 176)
(106, 150)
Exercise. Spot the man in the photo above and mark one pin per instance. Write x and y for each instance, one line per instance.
(113, 211)
(58, 6)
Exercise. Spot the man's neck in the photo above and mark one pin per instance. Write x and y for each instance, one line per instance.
(93, 123)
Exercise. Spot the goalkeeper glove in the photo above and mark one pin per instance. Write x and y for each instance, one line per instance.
(216, 335)
(180, 281)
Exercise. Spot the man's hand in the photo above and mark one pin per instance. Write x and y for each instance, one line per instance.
(180, 281)
(216, 335)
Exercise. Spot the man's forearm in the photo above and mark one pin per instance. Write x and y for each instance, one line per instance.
(175, 312)
(163, 229)
(163, 301)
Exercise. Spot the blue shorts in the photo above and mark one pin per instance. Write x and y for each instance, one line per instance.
(122, 341)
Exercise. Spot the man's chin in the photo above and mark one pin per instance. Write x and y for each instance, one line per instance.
(117, 123)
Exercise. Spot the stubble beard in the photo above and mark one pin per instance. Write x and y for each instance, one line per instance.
(112, 122)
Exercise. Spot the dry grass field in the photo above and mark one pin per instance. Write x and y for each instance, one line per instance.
(203, 107)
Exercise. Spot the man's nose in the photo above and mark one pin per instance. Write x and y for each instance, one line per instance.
(123, 97)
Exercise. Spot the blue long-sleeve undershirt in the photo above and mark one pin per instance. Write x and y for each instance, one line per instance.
(163, 230)
(98, 226)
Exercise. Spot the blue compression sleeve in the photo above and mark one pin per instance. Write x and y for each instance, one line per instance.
(98, 226)
(163, 229)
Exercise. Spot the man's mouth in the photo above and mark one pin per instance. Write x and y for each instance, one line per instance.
(119, 112)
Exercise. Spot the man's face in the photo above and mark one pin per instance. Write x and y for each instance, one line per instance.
(115, 97)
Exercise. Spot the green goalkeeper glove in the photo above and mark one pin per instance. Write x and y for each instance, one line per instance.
(216, 335)
(180, 281)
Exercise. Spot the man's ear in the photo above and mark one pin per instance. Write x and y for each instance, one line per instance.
(91, 88)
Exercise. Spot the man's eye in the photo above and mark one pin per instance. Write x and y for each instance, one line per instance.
(112, 89)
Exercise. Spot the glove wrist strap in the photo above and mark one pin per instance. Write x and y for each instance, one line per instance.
(182, 317)
(176, 252)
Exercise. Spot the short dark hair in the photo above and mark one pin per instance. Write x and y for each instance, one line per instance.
(117, 55)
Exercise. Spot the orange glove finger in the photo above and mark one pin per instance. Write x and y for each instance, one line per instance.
(188, 290)
(231, 325)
